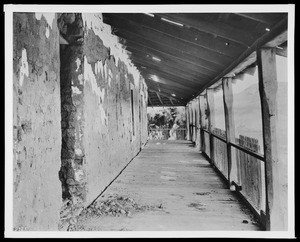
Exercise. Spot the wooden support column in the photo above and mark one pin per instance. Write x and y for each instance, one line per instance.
(194, 121)
(187, 117)
(276, 217)
(198, 133)
(202, 121)
(230, 130)
(191, 121)
(211, 120)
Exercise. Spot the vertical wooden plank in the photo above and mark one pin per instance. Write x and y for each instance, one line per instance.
(202, 121)
(194, 120)
(198, 138)
(230, 130)
(211, 121)
(276, 219)
(187, 120)
(191, 121)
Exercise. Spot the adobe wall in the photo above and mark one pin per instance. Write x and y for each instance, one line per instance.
(104, 114)
(36, 122)
(79, 117)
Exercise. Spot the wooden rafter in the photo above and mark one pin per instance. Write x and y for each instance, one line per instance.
(159, 98)
(194, 37)
(175, 68)
(161, 42)
(220, 29)
(136, 43)
(266, 18)
(172, 73)
(171, 62)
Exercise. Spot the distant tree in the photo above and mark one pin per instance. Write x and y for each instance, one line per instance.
(167, 117)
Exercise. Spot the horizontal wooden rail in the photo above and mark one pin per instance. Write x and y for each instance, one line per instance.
(239, 147)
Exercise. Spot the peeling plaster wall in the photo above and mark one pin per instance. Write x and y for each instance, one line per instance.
(36, 122)
(73, 130)
(108, 79)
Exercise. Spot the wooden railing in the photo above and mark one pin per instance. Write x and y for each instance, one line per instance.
(164, 134)
(250, 182)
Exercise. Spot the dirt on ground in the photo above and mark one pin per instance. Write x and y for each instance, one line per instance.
(113, 206)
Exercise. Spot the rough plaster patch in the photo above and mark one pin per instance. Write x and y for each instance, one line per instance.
(48, 16)
(76, 90)
(24, 70)
(110, 75)
(78, 152)
(78, 175)
(78, 62)
(47, 32)
(95, 21)
(89, 76)
(80, 79)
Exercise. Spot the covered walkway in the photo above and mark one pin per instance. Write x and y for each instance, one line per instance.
(169, 186)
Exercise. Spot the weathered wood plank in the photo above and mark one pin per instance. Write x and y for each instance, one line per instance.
(187, 117)
(230, 129)
(211, 119)
(276, 219)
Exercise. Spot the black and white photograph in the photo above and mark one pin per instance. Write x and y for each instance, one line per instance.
(149, 121)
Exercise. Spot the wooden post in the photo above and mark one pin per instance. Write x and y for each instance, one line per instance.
(274, 177)
(202, 121)
(211, 120)
(230, 130)
(194, 121)
(187, 115)
(191, 121)
(198, 124)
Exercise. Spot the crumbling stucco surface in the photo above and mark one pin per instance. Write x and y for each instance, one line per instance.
(36, 122)
(108, 79)
(79, 117)
(98, 140)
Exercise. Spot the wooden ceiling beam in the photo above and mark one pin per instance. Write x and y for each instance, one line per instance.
(172, 63)
(162, 93)
(176, 75)
(165, 80)
(149, 100)
(176, 56)
(163, 65)
(191, 36)
(167, 96)
(171, 83)
(160, 42)
(147, 73)
(148, 46)
(170, 90)
(216, 28)
(160, 99)
(265, 18)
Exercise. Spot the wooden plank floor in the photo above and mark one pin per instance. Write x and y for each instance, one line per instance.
(178, 190)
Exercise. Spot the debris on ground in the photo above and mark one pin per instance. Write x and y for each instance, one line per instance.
(117, 206)
(114, 206)
(202, 193)
(245, 221)
(199, 206)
